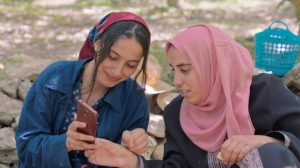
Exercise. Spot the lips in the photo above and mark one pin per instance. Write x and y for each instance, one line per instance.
(111, 78)
(184, 92)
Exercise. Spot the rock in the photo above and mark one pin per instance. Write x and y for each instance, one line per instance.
(7, 139)
(6, 119)
(36, 66)
(10, 106)
(10, 87)
(4, 166)
(156, 126)
(152, 144)
(292, 78)
(24, 88)
(8, 157)
(158, 152)
(15, 124)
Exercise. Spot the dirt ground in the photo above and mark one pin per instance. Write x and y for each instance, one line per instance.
(30, 32)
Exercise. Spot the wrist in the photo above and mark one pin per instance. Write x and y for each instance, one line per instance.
(133, 161)
(274, 140)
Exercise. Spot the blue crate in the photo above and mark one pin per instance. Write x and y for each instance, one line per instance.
(276, 49)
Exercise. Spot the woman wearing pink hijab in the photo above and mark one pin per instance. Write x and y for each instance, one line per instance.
(224, 116)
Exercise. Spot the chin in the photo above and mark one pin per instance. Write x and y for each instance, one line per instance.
(192, 101)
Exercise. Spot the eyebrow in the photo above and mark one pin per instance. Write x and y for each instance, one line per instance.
(181, 65)
(137, 61)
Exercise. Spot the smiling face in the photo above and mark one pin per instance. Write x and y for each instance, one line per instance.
(123, 59)
(185, 76)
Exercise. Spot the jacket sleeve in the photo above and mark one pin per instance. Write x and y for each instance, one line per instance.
(37, 146)
(284, 109)
(137, 109)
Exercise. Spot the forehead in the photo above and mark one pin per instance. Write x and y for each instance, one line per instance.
(176, 58)
(128, 48)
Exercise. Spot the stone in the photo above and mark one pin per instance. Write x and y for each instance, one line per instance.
(10, 106)
(15, 124)
(10, 87)
(158, 152)
(156, 126)
(8, 157)
(6, 119)
(7, 139)
(4, 166)
(24, 88)
(151, 146)
(292, 78)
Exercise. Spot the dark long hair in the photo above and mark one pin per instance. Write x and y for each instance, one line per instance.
(127, 29)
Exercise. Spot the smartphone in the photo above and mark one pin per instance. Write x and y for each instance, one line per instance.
(86, 114)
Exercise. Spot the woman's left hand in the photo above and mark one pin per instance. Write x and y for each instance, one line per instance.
(107, 153)
(236, 147)
(136, 140)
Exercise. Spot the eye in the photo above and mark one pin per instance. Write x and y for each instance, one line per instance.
(113, 56)
(131, 66)
(184, 70)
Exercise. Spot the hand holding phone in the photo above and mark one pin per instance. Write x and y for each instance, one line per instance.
(89, 116)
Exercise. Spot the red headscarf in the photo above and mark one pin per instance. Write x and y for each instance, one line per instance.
(224, 69)
(88, 50)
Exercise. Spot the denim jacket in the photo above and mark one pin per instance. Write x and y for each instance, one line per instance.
(41, 141)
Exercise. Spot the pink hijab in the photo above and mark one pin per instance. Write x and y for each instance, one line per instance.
(224, 71)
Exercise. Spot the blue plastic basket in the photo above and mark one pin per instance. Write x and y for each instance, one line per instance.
(276, 49)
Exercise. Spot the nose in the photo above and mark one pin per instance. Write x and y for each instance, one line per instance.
(117, 70)
(177, 80)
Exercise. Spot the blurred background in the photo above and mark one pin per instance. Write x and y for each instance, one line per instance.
(34, 33)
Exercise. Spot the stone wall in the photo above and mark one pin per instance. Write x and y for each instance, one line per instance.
(13, 93)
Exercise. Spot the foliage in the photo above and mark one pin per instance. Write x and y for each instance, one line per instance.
(296, 4)
(158, 52)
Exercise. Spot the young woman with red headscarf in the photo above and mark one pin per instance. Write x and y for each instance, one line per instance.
(224, 116)
(47, 133)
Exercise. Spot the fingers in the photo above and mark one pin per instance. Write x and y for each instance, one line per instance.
(76, 140)
(127, 139)
(136, 140)
(88, 153)
(226, 150)
(244, 151)
(140, 147)
(237, 147)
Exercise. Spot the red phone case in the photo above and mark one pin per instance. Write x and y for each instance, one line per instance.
(88, 115)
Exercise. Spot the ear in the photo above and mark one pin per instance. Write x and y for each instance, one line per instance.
(97, 45)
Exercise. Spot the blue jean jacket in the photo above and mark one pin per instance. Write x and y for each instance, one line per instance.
(41, 141)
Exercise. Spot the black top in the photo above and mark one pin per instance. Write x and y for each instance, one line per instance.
(274, 111)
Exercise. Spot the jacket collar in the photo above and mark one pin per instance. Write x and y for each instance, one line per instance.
(63, 80)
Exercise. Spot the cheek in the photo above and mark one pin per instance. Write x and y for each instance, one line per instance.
(128, 71)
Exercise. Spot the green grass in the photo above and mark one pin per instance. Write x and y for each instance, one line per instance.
(158, 52)
(248, 43)
(22, 8)
(3, 75)
(14, 60)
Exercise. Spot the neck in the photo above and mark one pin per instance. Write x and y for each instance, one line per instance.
(88, 94)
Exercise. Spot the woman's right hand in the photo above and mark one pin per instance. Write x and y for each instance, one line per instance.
(107, 153)
(76, 140)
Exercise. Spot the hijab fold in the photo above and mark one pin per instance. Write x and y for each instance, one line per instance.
(224, 71)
